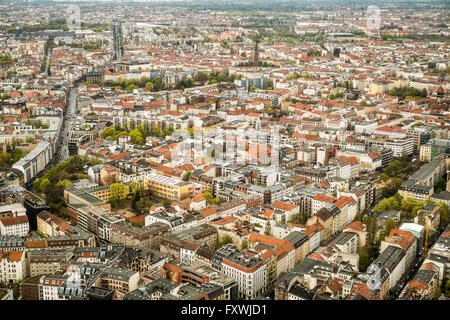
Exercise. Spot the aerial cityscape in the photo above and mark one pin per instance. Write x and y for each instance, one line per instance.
(225, 150)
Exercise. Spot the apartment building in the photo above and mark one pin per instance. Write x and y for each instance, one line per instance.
(247, 270)
(45, 261)
(12, 266)
(393, 259)
(15, 226)
(347, 242)
(164, 289)
(423, 286)
(300, 241)
(109, 175)
(35, 161)
(404, 240)
(401, 147)
(98, 221)
(49, 286)
(119, 279)
(283, 250)
(204, 234)
(434, 148)
(50, 224)
(420, 185)
(147, 237)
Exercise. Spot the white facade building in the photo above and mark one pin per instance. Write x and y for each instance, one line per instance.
(248, 272)
(15, 226)
(12, 266)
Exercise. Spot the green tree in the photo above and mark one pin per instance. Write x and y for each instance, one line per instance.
(37, 185)
(411, 206)
(394, 167)
(408, 92)
(118, 191)
(191, 132)
(156, 131)
(209, 198)
(136, 137)
(45, 185)
(189, 83)
(447, 289)
(384, 177)
(17, 154)
(187, 175)
(440, 185)
(393, 203)
(136, 199)
(269, 85)
(43, 64)
(6, 159)
(65, 184)
(167, 131)
(300, 218)
(244, 245)
(437, 293)
(107, 132)
(131, 87)
(390, 224)
(363, 261)
(136, 186)
(370, 227)
(444, 214)
(225, 240)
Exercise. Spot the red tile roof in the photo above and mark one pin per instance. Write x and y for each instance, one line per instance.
(11, 221)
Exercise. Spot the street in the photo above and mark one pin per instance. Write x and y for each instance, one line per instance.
(62, 149)
(62, 152)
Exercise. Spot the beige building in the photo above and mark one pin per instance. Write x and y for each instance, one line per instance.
(168, 188)
(359, 228)
(104, 192)
(109, 175)
(325, 217)
(50, 224)
(45, 261)
(416, 191)
(119, 279)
